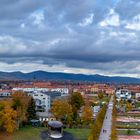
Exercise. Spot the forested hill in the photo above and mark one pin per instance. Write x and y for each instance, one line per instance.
(42, 75)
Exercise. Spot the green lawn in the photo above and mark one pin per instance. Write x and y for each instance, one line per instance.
(127, 132)
(137, 104)
(30, 133)
(79, 133)
(24, 134)
(99, 101)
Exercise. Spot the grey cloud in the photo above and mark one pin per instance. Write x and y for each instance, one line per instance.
(69, 11)
(81, 48)
(62, 41)
(128, 9)
(17, 9)
(72, 12)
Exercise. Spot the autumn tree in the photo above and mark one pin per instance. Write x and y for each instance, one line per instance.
(114, 115)
(76, 101)
(62, 110)
(98, 124)
(31, 112)
(129, 106)
(8, 116)
(2, 105)
(20, 104)
(87, 114)
(100, 95)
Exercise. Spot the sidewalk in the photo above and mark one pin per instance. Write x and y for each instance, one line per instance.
(106, 128)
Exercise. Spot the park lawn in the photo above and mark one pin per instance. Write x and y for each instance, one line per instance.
(30, 133)
(24, 134)
(137, 104)
(80, 134)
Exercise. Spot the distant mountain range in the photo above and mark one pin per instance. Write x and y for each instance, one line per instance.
(42, 75)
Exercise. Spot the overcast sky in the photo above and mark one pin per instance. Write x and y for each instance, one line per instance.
(74, 36)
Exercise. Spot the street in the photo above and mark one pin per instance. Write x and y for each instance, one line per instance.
(106, 128)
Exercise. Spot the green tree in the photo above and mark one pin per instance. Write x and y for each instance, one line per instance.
(76, 101)
(31, 112)
(129, 132)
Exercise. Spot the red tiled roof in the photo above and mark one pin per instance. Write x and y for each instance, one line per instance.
(5, 91)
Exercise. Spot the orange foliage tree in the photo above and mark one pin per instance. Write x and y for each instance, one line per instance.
(9, 119)
(87, 114)
(62, 110)
(20, 104)
(8, 116)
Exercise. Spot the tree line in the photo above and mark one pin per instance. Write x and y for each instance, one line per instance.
(73, 111)
(114, 115)
(98, 124)
(16, 111)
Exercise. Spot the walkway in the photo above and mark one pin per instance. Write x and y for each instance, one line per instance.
(106, 128)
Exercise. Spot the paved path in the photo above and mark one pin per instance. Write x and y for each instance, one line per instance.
(107, 122)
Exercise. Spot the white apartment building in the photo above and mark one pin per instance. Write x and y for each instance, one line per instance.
(30, 89)
(5, 93)
(42, 101)
(137, 95)
(63, 91)
(44, 96)
(123, 94)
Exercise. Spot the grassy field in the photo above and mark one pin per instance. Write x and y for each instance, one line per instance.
(127, 132)
(34, 134)
(80, 134)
